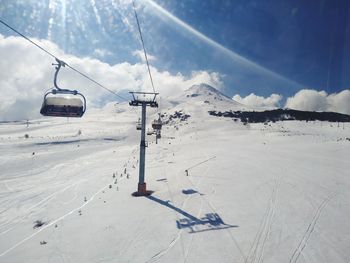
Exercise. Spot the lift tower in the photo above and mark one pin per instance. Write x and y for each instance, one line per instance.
(143, 99)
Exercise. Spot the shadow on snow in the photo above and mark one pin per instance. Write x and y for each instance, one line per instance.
(77, 141)
(190, 192)
(211, 221)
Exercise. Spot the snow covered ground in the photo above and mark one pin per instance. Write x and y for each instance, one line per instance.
(254, 193)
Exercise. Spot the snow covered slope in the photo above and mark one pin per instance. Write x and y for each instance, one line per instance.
(254, 193)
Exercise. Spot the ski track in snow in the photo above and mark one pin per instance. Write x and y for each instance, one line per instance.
(60, 218)
(163, 252)
(173, 242)
(186, 251)
(54, 221)
(311, 227)
(235, 243)
(262, 180)
(256, 252)
(20, 219)
(189, 246)
(195, 186)
(139, 232)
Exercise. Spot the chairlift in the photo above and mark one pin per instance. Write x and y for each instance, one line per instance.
(138, 125)
(63, 102)
(157, 124)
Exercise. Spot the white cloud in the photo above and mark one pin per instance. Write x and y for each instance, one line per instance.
(255, 101)
(339, 102)
(139, 54)
(175, 84)
(26, 73)
(305, 99)
(102, 53)
(309, 100)
(312, 100)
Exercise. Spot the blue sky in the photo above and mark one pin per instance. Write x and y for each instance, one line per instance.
(305, 41)
(264, 47)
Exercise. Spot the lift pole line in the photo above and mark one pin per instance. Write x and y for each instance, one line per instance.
(186, 171)
(140, 99)
(143, 45)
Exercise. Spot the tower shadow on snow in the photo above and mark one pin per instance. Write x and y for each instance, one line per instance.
(190, 192)
(211, 221)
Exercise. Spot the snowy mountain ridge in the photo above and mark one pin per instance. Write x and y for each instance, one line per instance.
(197, 100)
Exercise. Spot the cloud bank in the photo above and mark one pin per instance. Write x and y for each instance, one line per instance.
(254, 101)
(305, 99)
(312, 100)
(26, 73)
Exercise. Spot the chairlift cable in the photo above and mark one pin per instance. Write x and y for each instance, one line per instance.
(28, 39)
(143, 45)
(97, 83)
(52, 55)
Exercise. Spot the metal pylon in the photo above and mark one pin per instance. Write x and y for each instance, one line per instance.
(140, 99)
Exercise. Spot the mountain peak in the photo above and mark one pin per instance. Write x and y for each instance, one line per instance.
(203, 89)
(205, 96)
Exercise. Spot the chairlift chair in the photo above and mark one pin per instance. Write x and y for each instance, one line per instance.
(149, 132)
(157, 124)
(63, 102)
(138, 125)
(63, 106)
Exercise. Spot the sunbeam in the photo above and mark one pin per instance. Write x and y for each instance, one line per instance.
(97, 15)
(160, 11)
(52, 8)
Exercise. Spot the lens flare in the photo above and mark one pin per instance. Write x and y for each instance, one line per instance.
(163, 13)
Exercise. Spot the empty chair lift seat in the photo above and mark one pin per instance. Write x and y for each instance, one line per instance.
(62, 107)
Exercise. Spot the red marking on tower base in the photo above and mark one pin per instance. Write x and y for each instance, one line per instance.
(142, 190)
